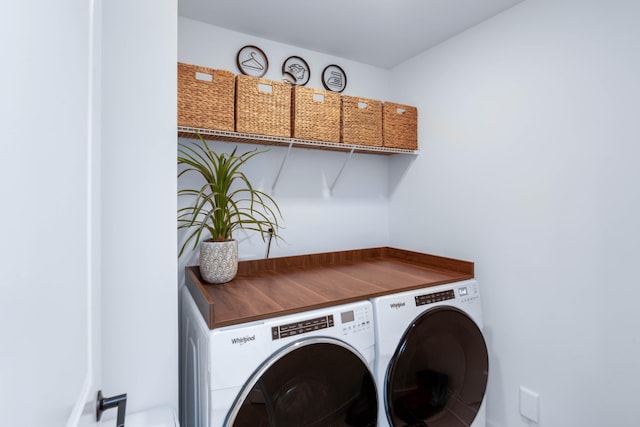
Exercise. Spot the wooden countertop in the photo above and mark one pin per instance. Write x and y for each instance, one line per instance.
(278, 286)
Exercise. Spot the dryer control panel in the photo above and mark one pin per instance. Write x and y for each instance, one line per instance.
(468, 294)
(434, 297)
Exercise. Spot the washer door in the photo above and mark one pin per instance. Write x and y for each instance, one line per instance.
(314, 382)
(438, 374)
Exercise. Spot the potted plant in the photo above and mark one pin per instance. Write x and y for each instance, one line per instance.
(224, 203)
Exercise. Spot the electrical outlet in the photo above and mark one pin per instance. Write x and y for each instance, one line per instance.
(529, 404)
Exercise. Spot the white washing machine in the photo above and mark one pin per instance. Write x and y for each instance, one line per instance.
(431, 364)
(308, 369)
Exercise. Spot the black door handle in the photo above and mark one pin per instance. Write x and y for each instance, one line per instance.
(104, 403)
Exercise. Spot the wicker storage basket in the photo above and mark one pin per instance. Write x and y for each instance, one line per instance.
(205, 97)
(400, 126)
(315, 114)
(361, 121)
(263, 106)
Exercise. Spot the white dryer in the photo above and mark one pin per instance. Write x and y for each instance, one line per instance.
(308, 369)
(431, 364)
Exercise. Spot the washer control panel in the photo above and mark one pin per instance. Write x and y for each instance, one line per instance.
(356, 320)
(302, 327)
(349, 321)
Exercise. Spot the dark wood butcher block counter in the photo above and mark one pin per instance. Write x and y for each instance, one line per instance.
(278, 286)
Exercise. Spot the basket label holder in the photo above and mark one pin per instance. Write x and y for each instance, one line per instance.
(205, 77)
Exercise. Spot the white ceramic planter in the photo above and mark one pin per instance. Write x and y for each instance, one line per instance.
(218, 261)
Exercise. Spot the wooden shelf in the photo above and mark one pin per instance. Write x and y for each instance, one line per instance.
(273, 287)
(220, 135)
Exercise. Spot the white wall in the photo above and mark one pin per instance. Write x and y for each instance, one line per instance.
(355, 214)
(46, 188)
(530, 141)
(139, 295)
(61, 141)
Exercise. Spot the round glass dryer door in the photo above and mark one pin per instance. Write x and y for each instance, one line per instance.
(318, 382)
(438, 374)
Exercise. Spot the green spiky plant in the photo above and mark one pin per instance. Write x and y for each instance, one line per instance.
(226, 201)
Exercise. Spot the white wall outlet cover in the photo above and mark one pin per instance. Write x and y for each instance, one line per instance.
(529, 404)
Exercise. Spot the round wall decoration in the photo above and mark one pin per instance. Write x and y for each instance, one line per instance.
(334, 78)
(252, 61)
(288, 77)
(297, 67)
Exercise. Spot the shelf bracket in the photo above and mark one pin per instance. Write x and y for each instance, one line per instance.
(344, 165)
(284, 160)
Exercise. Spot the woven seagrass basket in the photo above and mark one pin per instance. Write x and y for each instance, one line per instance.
(400, 126)
(263, 106)
(315, 114)
(205, 97)
(361, 121)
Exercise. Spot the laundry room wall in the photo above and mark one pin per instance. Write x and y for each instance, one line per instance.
(138, 299)
(315, 219)
(528, 166)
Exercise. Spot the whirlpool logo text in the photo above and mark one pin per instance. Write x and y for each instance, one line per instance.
(397, 305)
(243, 340)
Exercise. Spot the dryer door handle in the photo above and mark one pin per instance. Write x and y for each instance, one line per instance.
(104, 403)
